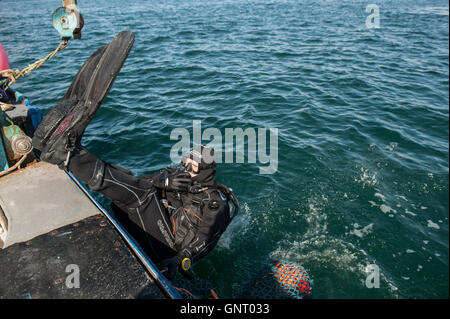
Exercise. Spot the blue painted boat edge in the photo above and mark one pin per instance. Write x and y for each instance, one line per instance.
(3, 159)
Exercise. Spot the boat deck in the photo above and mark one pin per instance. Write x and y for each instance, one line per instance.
(107, 269)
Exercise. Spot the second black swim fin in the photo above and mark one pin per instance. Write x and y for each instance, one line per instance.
(62, 128)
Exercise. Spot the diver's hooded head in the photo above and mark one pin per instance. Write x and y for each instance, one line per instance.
(200, 163)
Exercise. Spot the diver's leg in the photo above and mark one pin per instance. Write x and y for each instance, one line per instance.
(116, 183)
(135, 202)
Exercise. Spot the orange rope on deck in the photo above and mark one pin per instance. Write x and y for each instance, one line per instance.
(12, 168)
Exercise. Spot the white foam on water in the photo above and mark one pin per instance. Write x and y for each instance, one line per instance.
(410, 251)
(392, 146)
(432, 225)
(316, 217)
(367, 179)
(317, 248)
(361, 232)
(385, 208)
(335, 255)
(372, 203)
(402, 197)
(239, 226)
(393, 288)
(381, 196)
(431, 10)
(409, 212)
(322, 250)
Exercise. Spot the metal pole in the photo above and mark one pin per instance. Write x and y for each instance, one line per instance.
(168, 289)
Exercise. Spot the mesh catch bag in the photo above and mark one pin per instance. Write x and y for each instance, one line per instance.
(282, 280)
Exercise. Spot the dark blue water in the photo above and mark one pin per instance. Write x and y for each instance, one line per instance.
(362, 117)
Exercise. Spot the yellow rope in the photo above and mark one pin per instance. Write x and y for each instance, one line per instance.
(13, 75)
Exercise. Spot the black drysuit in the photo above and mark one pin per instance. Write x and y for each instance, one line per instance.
(139, 206)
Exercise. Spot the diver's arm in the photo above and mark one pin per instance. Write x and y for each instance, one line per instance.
(171, 180)
(115, 182)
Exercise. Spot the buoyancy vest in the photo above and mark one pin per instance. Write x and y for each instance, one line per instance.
(204, 209)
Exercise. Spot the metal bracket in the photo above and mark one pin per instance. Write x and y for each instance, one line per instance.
(68, 21)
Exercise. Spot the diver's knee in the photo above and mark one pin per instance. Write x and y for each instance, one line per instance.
(98, 175)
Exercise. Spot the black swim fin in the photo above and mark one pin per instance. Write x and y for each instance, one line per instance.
(62, 128)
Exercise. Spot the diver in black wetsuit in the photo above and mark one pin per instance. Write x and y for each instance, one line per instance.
(178, 215)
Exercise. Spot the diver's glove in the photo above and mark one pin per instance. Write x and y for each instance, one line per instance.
(171, 265)
(174, 182)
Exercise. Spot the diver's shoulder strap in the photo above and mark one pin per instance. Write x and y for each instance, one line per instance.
(197, 188)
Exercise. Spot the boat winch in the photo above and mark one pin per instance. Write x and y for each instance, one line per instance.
(68, 21)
